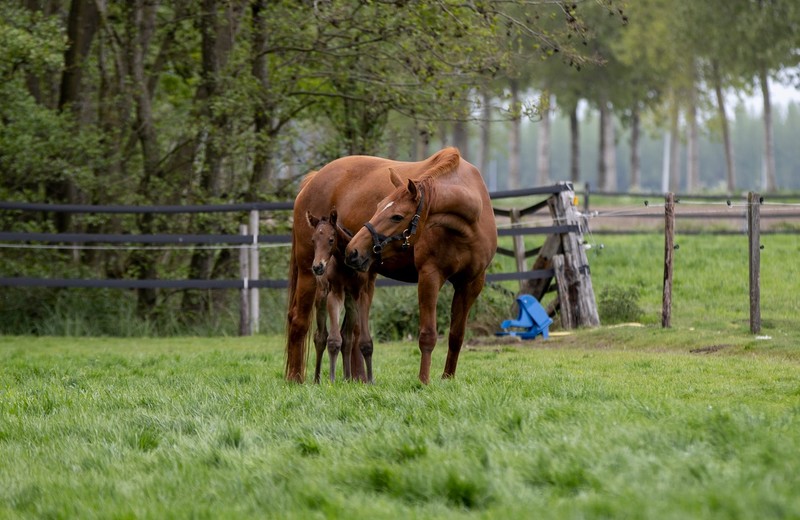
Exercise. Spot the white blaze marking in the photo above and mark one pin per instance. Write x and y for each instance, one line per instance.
(387, 206)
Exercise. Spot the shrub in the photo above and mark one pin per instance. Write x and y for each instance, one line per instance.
(618, 304)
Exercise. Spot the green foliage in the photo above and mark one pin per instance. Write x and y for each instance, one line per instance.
(29, 42)
(395, 313)
(619, 304)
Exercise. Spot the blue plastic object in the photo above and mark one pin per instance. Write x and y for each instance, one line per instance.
(532, 320)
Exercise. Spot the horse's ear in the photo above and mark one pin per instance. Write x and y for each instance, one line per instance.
(412, 189)
(334, 216)
(396, 180)
(311, 219)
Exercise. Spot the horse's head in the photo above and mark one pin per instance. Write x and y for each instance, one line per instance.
(394, 224)
(324, 238)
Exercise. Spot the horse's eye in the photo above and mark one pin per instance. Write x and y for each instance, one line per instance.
(330, 241)
(397, 218)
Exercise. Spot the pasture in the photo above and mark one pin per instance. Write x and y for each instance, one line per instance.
(698, 421)
(591, 425)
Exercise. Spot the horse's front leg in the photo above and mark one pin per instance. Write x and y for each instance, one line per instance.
(335, 300)
(321, 334)
(463, 299)
(430, 283)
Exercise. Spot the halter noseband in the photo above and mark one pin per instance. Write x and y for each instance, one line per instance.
(379, 240)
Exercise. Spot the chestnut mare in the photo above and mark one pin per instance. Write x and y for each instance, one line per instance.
(426, 222)
(334, 280)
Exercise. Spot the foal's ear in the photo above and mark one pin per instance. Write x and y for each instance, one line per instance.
(396, 180)
(312, 220)
(334, 216)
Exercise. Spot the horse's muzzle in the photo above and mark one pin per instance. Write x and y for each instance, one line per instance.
(319, 269)
(355, 261)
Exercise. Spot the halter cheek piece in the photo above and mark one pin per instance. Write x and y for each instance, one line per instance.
(380, 240)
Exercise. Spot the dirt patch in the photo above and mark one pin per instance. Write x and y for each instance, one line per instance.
(709, 350)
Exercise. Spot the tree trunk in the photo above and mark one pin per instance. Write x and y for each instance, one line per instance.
(514, 173)
(82, 24)
(769, 182)
(81, 27)
(574, 145)
(217, 35)
(486, 132)
(602, 171)
(674, 149)
(543, 147)
(666, 161)
(636, 157)
(422, 141)
(196, 303)
(263, 118)
(692, 144)
(140, 27)
(607, 163)
(461, 138)
(726, 134)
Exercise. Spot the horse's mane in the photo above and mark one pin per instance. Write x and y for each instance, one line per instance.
(443, 162)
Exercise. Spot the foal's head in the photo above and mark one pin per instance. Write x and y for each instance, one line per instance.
(328, 240)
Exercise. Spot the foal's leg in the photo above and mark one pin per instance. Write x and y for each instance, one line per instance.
(321, 334)
(463, 298)
(334, 301)
(430, 283)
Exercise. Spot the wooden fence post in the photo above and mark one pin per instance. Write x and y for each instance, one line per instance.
(244, 296)
(564, 281)
(255, 308)
(669, 249)
(584, 305)
(754, 236)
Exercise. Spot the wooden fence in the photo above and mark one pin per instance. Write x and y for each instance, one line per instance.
(781, 214)
(565, 230)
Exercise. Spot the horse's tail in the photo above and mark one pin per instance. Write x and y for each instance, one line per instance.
(290, 372)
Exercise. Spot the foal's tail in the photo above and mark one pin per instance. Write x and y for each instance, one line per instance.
(295, 366)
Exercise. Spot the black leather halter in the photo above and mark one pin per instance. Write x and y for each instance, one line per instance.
(379, 240)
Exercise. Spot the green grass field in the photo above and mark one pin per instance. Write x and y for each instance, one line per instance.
(701, 420)
(575, 427)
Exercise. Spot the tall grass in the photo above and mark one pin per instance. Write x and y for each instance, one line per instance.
(189, 427)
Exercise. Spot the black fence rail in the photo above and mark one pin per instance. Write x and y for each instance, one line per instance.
(24, 239)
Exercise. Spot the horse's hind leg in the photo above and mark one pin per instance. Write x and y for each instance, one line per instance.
(320, 335)
(298, 325)
(465, 295)
(334, 304)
